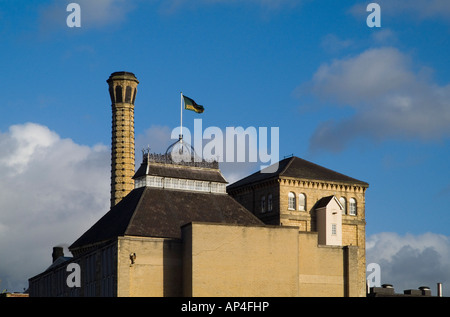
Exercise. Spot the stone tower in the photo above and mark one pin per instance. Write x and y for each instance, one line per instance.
(122, 89)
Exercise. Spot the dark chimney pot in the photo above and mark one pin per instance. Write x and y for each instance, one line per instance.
(57, 252)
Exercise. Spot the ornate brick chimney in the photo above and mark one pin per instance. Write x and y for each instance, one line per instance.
(122, 89)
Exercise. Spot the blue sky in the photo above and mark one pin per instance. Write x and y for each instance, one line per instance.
(371, 103)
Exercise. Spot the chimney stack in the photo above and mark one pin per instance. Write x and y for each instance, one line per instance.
(57, 252)
(122, 90)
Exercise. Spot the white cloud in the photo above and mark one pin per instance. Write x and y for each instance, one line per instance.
(333, 44)
(389, 97)
(158, 138)
(94, 14)
(410, 261)
(105, 12)
(51, 191)
(383, 36)
(415, 9)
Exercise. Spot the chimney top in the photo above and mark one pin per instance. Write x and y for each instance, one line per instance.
(122, 76)
(57, 253)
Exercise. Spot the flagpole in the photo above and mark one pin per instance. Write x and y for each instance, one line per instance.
(181, 117)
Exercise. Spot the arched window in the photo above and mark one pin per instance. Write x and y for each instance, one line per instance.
(128, 94)
(353, 206)
(302, 202)
(134, 96)
(291, 201)
(111, 94)
(119, 94)
(269, 203)
(343, 202)
(263, 203)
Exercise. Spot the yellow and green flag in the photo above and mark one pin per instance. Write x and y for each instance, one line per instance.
(190, 104)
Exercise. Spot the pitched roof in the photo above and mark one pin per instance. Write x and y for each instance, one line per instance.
(324, 201)
(296, 167)
(58, 261)
(179, 171)
(157, 212)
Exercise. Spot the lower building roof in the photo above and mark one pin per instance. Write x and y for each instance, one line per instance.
(156, 212)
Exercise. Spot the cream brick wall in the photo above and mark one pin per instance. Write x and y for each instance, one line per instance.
(226, 260)
(214, 260)
(156, 271)
(336, 276)
(319, 277)
(353, 227)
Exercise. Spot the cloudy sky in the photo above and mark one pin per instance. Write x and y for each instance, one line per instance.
(372, 103)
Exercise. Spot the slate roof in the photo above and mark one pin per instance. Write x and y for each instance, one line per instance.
(58, 261)
(157, 212)
(324, 201)
(295, 167)
(178, 171)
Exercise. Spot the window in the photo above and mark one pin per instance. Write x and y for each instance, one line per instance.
(291, 201)
(333, 229)
(222, 188)
(119, 94)
(154, 181)
(168, 183)
(134, 96)
(128, 94)
(343, 202)
(302, 202)
(138, 183)
(352, 206)
(263, 204)
(269, 202)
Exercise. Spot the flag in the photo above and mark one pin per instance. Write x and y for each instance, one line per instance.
(190, 104)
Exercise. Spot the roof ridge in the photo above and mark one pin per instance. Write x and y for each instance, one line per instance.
(291, 159)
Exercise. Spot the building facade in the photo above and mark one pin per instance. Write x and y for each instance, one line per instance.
(293, 195)
(180, 231)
